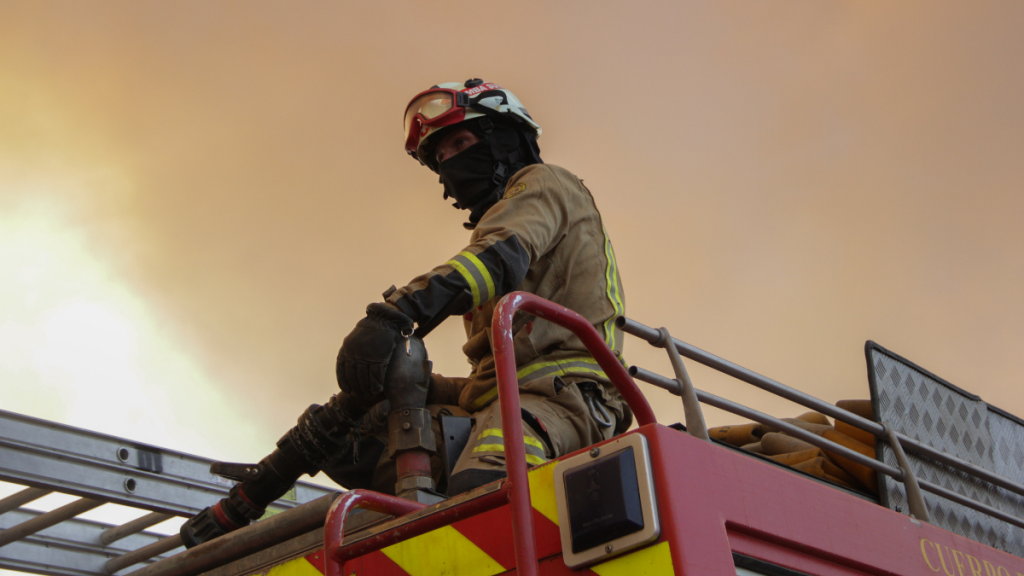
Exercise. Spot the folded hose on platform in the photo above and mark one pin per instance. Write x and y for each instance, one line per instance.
(823, 463)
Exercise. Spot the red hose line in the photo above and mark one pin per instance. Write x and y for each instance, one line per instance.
(412, 463)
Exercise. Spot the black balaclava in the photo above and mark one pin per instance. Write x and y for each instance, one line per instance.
(476, 177)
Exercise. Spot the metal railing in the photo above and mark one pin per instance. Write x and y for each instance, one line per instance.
(899, 442)
(47, 457)
(515, 490)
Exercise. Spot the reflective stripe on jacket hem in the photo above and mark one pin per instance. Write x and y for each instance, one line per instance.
(582, 365)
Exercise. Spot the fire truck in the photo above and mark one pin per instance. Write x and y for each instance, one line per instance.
(656, 500)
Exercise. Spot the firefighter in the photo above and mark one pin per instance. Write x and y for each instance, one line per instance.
(535, 228)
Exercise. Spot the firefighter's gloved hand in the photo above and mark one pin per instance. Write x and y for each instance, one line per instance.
(364, 355)
(408, 377)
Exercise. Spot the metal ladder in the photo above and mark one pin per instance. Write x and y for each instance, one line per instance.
(48, 457)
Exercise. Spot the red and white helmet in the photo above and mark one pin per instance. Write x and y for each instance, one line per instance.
(453, 102)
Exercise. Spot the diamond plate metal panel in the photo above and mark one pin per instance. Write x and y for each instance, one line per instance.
(927, 408)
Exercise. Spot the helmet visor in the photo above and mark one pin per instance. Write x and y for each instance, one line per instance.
(430, 106)
(434, 109)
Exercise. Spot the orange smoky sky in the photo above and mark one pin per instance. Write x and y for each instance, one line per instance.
(198, 199)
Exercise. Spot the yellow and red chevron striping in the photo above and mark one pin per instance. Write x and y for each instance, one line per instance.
(482, 546)
(654, 560)
(651, 561)
(311, 565)
(477, 546)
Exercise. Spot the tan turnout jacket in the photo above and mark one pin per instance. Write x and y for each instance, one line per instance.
(545, 237)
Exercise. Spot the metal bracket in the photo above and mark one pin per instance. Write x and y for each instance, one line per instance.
(410, 429)
(456, 431)
(236, 472)
(695, 425)
(915, 500)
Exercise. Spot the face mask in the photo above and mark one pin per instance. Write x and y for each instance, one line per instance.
(468, 177)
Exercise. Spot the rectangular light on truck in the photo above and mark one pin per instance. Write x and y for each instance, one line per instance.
(606, 501)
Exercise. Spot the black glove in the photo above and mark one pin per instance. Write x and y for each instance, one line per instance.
(364, 355)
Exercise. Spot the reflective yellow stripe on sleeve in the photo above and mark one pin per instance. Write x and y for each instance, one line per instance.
(473, 287)
(484, 272)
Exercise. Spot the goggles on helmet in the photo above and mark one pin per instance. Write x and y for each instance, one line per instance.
(433, 108)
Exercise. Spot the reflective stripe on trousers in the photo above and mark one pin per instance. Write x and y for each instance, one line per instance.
(492, 440)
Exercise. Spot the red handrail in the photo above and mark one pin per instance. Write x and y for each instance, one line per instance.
(516, 489)
(337, 555)
(511, 418)
(334, 527)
